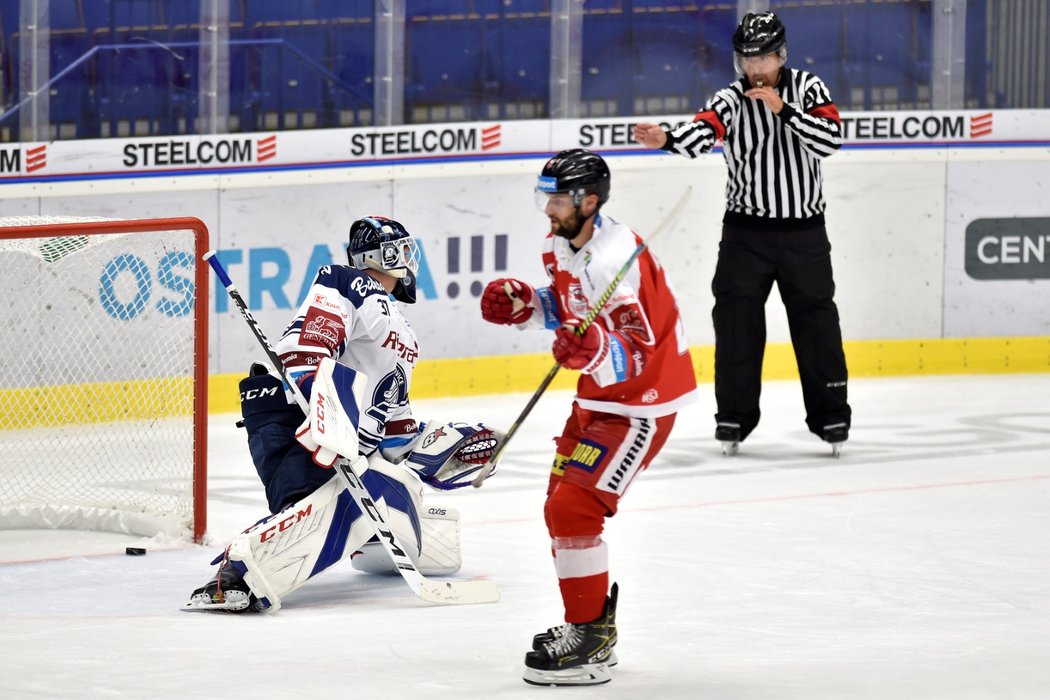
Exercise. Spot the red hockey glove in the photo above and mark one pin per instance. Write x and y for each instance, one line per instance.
(506, 301)
(583, 353)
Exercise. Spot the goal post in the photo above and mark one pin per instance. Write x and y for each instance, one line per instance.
(104, 374)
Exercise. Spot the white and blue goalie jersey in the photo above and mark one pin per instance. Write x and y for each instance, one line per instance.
(348, 316)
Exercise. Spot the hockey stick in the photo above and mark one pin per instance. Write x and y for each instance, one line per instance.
(443, 592)
(580, 330)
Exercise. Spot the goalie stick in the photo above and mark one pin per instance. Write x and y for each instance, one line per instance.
(439, 592)
(489, 467)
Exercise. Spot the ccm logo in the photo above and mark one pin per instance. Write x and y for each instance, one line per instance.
(256, 393)
(285, 523)
(319, 413)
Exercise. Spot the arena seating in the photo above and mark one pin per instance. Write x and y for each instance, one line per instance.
(310, 63)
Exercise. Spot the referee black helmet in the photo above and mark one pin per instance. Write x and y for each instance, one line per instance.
(759, 33)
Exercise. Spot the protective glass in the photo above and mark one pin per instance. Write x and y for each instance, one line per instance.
(758, 64)
(557, 202)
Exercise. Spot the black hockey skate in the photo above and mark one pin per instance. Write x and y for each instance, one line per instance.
(227, 591)
(561, 630)
(836, 435)
(729, 435)
(553, 633)
(574, 654)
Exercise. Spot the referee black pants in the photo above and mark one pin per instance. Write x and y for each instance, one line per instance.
(749, 261)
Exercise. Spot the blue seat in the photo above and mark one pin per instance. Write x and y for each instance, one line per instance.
(444, 65)
(518, 61)
(126, 21)
(607, 70)
(977, 64)
(140, 86)
(888, 48)
(69, 99)
(124, 13)
(426, 9)
(346, 9)
(715, 49)
(282, 11)
(135, 90)
(6, 87)
(492, 7)
(600, 6)
(353, 62)
(816, 36)
(667, 56)
(290, 77)
(67, 14)
(185, 12)
(70, 95)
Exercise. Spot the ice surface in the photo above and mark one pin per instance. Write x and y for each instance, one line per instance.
(915, 566)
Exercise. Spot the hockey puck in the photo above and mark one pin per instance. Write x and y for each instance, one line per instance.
(134, 551)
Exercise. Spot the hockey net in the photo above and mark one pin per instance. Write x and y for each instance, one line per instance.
(103, 374)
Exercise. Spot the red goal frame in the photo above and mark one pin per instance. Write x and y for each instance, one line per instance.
(201, 238)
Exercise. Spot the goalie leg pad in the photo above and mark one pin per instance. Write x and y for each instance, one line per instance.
(440, 555)
(448, 455)
(283, 551)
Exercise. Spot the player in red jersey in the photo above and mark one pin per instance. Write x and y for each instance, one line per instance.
(635, 375)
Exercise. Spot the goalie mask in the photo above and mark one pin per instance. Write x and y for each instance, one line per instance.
(382, 244)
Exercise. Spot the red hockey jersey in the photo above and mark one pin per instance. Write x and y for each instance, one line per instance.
(648, 371)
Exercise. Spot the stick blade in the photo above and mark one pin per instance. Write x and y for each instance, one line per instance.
(458, 592)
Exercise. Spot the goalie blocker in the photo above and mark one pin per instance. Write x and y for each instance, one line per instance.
(314, 521)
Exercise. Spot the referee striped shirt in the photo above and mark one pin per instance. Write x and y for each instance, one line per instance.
(773, 159)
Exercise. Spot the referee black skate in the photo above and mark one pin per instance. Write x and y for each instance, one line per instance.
(777, 124)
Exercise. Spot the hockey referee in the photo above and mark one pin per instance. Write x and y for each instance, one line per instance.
(777, 123)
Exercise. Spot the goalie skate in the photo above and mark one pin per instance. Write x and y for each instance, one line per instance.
(227, 592)
(234, 601)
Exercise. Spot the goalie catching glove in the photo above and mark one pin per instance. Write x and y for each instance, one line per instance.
(447, 456)
(507, 302)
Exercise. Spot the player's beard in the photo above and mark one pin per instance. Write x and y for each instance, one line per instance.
(568, 228)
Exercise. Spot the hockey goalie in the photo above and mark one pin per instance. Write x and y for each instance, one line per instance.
(351, 315)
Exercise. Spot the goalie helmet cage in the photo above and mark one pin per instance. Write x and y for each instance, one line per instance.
(103, 374)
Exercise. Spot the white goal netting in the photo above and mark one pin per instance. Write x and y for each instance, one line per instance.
(100, 357)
